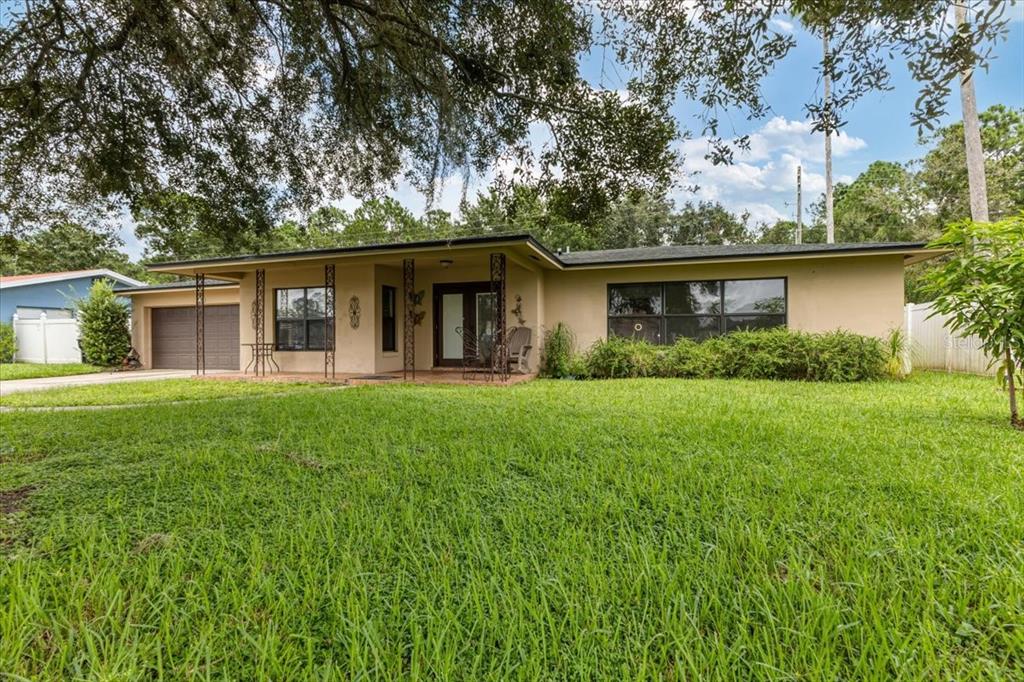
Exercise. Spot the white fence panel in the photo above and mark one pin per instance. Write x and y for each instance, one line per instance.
(932, 346)
(46, 341)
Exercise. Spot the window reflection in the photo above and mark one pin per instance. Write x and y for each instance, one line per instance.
(299, 318)
(644, 328)
(735, 323)
(755, 296)
(700, 309)
(693, 298)
(635, 299)
(697, 327)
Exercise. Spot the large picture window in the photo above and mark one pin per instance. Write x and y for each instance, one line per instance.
(299, 318)
(663, 312)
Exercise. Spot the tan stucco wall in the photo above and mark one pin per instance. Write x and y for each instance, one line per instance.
(862, 294)
(354, 347)
(143, 304)
(390, 361)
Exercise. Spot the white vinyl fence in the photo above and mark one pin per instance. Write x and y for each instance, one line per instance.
(933, 346)
(46, 341)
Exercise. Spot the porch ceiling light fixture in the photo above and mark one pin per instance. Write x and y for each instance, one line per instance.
(446, 263)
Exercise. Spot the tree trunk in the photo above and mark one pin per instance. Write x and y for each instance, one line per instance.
(1015, 419)
(830, 225)
(972, 135)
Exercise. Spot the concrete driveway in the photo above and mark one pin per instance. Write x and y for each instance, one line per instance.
(20, 385)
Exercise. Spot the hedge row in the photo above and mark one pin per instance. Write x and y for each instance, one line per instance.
(767, 354)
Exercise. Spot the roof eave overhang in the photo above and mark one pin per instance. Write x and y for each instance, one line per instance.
(538, 253)
(235, 268)
(184, 287)
(909, 257)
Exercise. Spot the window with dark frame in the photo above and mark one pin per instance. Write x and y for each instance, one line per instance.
(662, 312)
(299, 318)
(388, 318)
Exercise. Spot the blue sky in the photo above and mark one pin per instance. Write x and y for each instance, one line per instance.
(763, 182)
(878, 128)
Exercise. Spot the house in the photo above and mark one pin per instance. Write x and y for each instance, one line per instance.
(53, 293)
(41, 306)
(403, 306)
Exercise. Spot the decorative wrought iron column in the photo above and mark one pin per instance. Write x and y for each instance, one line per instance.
(409, 332)
(499, 347)
(329, 314)
(259, 308)
(200, 323)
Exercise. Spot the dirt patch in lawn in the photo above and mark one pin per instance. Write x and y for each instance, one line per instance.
(305, 462)
(11, 500)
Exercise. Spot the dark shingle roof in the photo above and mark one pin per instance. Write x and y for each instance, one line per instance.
(182, 284)
(694, 252)
(647, 254)
(361, 248)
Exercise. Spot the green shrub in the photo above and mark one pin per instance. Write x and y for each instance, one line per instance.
(895, 352)
(687, 359)
(6, 342)
(558, 352)
(103, 324)
(844, 356)
(578, 368)
(621, 358)
(765, 354)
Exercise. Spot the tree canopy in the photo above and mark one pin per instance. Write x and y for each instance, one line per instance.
(883, 204)
(66, 246)
(981, 290)
(943, 170)
(262, 108)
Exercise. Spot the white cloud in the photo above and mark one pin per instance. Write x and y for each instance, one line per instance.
(762, 180)
(764, 213)
(782, 25)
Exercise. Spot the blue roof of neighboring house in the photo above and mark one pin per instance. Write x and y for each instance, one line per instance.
(53, 290)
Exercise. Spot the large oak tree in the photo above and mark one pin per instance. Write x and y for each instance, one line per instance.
(263, 106)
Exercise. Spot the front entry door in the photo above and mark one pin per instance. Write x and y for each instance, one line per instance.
(462, 308)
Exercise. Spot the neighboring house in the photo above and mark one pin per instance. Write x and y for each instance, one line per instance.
(42, 308)
(657, 293)
(52, 292)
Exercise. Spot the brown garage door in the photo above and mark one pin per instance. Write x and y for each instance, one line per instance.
(174, 337)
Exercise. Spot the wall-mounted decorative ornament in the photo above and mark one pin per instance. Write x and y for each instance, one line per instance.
(417, 307)
(353, 312)
(518, 311)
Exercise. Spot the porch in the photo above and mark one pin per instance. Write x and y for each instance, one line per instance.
(410, 312)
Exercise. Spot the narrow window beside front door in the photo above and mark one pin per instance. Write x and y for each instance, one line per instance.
(388, 317)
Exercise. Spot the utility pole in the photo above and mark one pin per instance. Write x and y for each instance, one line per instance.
(799, 209)
(830, 225)
(972, 133)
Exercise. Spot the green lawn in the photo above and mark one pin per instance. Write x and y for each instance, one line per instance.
(157, 391)
(663, 529)
(24, 370)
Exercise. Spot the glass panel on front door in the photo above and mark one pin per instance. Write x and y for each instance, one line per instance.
(451, 324)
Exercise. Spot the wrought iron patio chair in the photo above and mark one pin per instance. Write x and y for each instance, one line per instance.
(476, 353)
